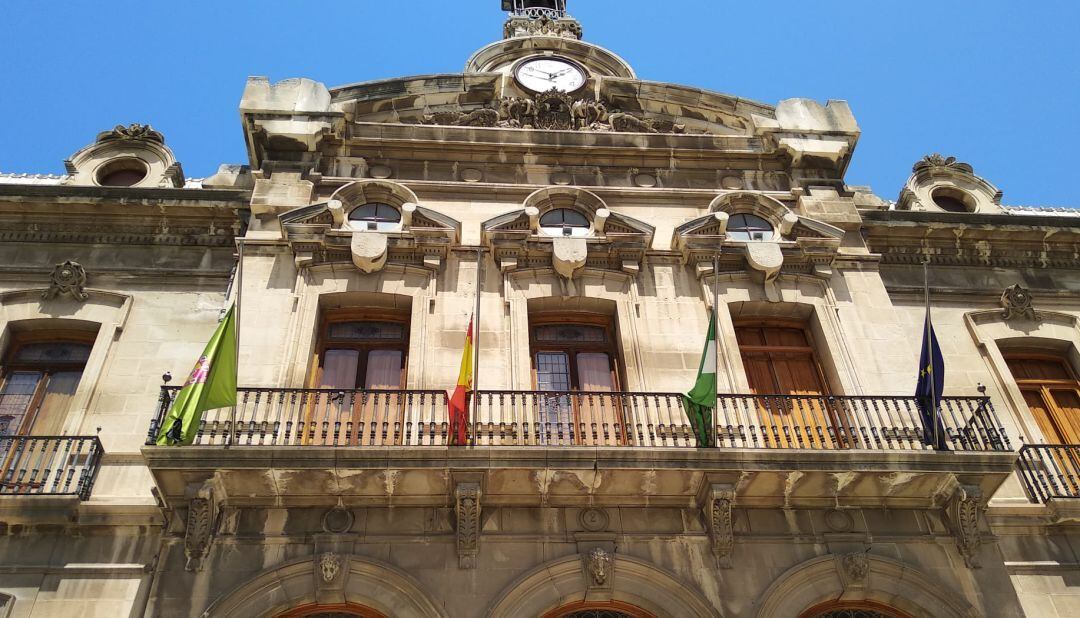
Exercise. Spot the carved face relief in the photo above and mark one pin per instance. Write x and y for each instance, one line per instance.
(599, 563)
(330, 565)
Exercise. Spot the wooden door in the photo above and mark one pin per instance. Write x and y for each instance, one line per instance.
(1052, 393)
(780, 360)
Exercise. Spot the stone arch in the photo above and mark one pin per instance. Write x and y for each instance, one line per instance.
(750, 202)
(635, 582)
(885, 581)
(358, 193)
(993, 334)
(107, 311)
(365, 582)
(809, 299)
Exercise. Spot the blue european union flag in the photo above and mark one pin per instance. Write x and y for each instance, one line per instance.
(931, 387)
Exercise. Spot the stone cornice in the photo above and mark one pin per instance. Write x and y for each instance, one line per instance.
(126, 194)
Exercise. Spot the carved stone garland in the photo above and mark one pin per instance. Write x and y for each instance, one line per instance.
(719, 521)
(552, 110)
(962, 515)
(467, 509)
(1017, 304)
(67, 278)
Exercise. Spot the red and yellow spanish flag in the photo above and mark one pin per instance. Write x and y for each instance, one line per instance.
(459, 400)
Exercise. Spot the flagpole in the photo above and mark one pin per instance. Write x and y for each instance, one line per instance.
(930, 353)
(237, 293)
(476, 341)
(716, 331)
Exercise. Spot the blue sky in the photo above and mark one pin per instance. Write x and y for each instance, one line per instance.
(994, 82)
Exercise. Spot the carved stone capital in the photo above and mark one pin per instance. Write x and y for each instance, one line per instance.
(962, 516)
(718, 518)
(467, 511)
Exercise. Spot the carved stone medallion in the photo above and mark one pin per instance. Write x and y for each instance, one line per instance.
(839, 521)
(337, 520)
(67, 278)
(1017, 303)
(594, 520)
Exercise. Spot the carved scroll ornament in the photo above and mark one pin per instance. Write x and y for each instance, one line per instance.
(67, 278)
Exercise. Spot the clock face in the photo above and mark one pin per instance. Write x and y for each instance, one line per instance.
(543, 74)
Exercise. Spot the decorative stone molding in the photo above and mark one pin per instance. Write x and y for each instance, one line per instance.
(718, 518)
(132, 131)
(1018, 304)
(338, 520)
(522, 26)
(553, 111)
(67, 278)
(962, 516)
(329, 566)
(931, 161)
(200, 525)
(322, 233)
(467, 510)
(598, 565)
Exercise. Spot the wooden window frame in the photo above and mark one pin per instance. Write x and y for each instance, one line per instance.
(23, 339)
(631, 610)
(1045, 388)
(839, 606)
(339, 316)
(572, 349)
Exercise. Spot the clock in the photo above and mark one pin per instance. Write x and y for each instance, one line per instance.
(544, 74)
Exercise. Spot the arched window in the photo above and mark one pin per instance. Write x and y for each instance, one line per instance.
(611, 609)
(376, 216)
(39, 377)
(564, 222)
(744, 226)
(853, 610)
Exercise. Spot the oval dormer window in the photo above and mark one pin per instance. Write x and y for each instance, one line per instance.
(564, 222)
(376, 217)
(749, 227)
(126, 172)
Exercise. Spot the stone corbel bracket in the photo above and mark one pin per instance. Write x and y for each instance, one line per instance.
(467, 511)
(718, 502)
(961, 512)
(201, 523)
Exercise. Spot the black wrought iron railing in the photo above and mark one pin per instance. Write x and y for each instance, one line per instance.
(49, 465)
(1050, 471)
(326, 417)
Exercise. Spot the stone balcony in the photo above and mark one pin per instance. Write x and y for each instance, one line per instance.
(306, 447)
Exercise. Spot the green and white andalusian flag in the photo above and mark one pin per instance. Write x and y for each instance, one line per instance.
(211, 385)
(701, 399)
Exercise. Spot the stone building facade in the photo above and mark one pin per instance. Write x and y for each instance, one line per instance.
(594, 220)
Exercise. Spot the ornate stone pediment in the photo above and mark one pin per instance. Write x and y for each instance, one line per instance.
(323, 232)
(612, 241)
(793, 239)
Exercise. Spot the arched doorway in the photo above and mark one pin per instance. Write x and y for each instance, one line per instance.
(863, 609)
(611, 609)
(347, 610)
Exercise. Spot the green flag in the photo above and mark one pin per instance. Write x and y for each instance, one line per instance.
(211, 385)
(701, 399)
